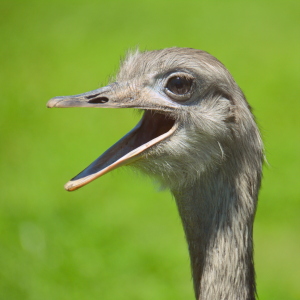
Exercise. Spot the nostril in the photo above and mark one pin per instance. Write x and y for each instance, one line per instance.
(92, 96)
(98, 100)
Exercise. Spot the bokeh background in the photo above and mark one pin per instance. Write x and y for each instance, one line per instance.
(118, 237)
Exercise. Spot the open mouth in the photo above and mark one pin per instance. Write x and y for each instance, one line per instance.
(153, 128)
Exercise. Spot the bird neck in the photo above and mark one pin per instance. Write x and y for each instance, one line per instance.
(217, 214)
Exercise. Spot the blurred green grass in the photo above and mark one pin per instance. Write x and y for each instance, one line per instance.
(118, 238)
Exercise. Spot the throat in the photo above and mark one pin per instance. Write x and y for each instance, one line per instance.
(218, 224)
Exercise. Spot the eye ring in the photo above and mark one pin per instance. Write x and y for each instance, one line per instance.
(179, 86)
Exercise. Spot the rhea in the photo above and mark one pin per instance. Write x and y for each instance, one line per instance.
(198, 137)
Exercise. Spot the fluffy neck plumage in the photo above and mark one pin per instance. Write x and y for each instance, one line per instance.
(217, 213)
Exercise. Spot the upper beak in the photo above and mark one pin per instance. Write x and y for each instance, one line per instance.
(152, 128)
(102, 97)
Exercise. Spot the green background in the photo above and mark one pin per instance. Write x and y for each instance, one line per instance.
(119, 238)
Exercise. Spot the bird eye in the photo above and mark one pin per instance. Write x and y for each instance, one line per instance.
(179, 85)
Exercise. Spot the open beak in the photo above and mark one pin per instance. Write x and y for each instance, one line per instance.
(154, 127)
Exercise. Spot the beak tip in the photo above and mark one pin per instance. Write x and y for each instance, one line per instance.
(69, 186)
(53, 102)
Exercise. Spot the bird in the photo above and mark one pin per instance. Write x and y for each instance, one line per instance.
(199, 138)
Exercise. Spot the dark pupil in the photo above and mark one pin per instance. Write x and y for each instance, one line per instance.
(179, 85)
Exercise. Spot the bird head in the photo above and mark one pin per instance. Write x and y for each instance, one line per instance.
(193, 114)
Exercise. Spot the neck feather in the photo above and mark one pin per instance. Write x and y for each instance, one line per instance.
(217, 213)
